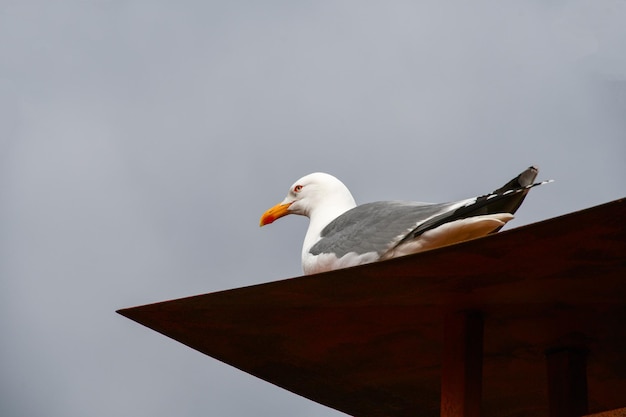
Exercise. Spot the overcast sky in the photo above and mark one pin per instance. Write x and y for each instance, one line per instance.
(140, 141)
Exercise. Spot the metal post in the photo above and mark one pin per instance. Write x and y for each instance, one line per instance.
(567, 381)
(462, 362)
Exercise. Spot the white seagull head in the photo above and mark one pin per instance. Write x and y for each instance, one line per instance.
(317, 194)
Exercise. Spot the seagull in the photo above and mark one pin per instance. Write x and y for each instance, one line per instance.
(342, 234)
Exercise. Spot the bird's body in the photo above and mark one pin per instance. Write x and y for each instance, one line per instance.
(342, 234)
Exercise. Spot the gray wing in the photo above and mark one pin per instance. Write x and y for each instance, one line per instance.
(375, 227)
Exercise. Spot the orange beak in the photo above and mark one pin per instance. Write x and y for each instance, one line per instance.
(276, 212)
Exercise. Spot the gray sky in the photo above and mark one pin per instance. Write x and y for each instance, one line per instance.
(140, 141)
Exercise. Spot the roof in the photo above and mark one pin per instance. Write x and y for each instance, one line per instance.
(367, 340)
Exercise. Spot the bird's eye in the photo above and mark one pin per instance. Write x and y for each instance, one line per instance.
(297, 188)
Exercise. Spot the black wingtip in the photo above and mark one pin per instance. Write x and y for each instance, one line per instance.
(523, 180)
(528, 176)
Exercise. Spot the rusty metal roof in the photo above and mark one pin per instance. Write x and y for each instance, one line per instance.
(368, 340)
